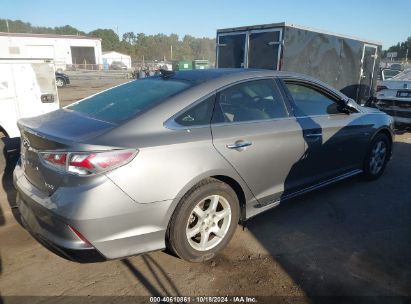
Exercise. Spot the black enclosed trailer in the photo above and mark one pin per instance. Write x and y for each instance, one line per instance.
(348, 64)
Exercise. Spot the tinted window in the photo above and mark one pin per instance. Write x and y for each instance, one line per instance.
(388, 74)
(254, 100)
(309, 101)
(198, 115)
(122, 102)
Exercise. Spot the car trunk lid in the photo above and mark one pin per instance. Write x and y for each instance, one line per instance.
(396, 84)
(60, 131)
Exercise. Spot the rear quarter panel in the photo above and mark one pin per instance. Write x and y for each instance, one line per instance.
(167, 171)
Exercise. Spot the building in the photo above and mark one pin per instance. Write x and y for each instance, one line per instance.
(62, 49)
(109, 57)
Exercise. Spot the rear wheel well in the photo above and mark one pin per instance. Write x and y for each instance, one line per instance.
(237, 189)
(3, 133)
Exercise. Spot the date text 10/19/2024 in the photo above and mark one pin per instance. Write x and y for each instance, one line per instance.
(203, 299)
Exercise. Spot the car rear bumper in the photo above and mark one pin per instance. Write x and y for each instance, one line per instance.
(119, 228)
(402, 120)
(400, 110)
(76, 255)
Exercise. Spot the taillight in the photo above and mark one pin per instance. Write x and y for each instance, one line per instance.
(88, 163)
(381, 87)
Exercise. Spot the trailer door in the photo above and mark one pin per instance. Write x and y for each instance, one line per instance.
(369, 57)
(35, 86)
(231, 50)
(264, 49)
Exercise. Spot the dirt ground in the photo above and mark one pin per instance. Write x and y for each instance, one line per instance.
(350, 239)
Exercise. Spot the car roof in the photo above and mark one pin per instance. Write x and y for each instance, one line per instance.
(222, 76)
(199, 76)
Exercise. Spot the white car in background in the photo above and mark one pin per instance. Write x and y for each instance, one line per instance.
(393, 97)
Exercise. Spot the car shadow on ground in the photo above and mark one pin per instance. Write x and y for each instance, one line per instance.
(352, 238)
(166, 286)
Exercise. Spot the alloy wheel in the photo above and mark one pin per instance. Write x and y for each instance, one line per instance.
(208, 223)
(378, 155)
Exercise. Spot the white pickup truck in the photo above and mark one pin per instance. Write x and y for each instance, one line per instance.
(27, 88)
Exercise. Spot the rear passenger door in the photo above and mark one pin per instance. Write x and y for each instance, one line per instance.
(252, 130)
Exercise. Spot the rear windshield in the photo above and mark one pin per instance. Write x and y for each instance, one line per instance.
(404, 75)
(123, 102)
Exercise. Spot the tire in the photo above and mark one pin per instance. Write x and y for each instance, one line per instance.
(60, 82)
(377, 157)
(209, 223)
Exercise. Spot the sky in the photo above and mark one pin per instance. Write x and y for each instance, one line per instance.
(385, 21)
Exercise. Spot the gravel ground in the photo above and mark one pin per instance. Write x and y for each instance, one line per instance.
(350, 239)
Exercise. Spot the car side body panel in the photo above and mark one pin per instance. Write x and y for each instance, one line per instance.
(173, 167)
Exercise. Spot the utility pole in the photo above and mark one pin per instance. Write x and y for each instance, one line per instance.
(171, 52)
(406, 56)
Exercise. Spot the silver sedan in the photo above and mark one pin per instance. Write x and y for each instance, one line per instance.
(393, 97)
(178, 160)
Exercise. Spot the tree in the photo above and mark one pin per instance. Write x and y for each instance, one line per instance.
(109, 39)
(401, 48)
(129, 37)
(152, 47)
(68, 30)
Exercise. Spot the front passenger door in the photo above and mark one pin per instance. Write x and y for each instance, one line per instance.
(334, 141)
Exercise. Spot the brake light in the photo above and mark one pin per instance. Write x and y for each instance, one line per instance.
(98, 162)
(88, 163)
(381, 87)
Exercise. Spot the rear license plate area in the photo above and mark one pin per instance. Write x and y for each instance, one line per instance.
(404, 94)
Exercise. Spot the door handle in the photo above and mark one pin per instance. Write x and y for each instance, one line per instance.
(239, 145)
(47, 98)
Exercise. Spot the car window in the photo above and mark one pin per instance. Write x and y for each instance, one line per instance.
(198, 115)
(309, 101)
(253, 100)
(123, 102)
(388, 74)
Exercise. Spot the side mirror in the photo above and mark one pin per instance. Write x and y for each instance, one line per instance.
(343, 106)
